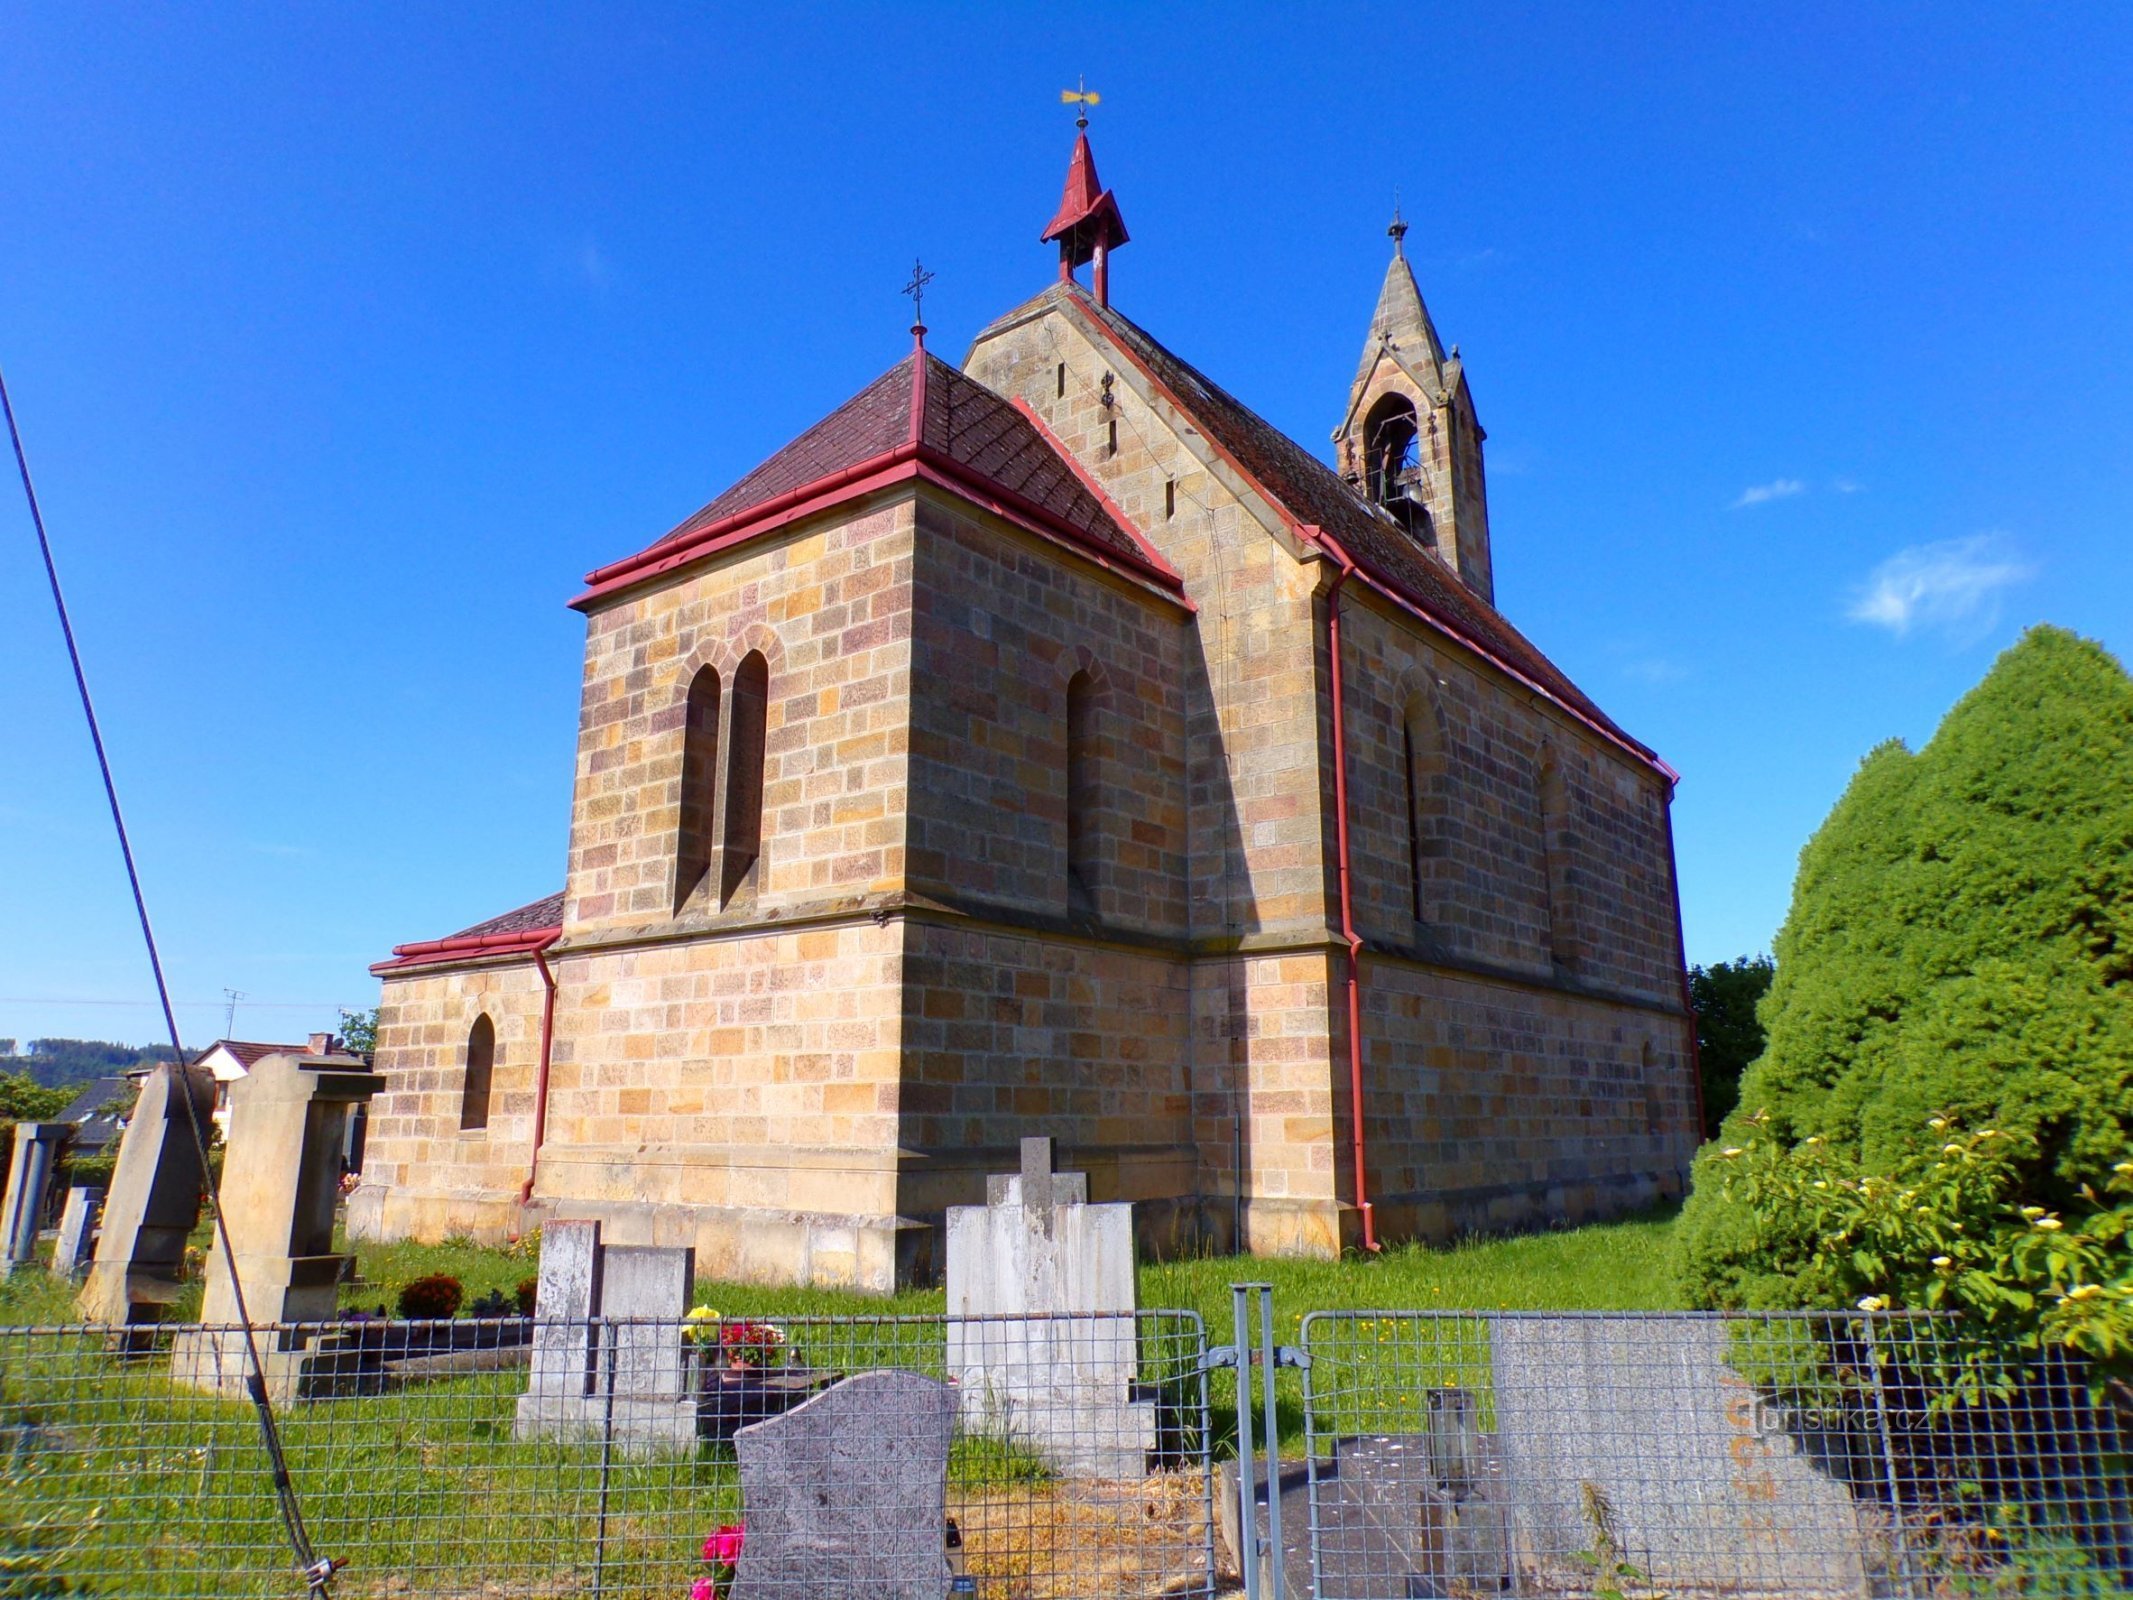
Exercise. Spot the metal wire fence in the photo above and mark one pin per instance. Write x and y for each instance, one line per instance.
(1634, 1455)
(549, 1459)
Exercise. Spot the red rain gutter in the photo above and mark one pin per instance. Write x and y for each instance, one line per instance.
(463, 947)
(540, 1081)
(1354, 939)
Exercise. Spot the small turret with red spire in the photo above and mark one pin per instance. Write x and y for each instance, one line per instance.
(1088, 225)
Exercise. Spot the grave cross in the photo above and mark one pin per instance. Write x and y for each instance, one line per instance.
(1037, 1175)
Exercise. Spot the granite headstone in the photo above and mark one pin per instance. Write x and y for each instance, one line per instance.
(845, 1496)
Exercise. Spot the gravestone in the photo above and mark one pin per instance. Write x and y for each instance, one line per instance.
(644, 1294)
(1055, 1372)
(608, 1355)
(845, 1495)
(1397, 1518)
(560, 1366)
(281, 1175)
(1699, 1481)
(154, 1201)
(29, 1180)
(77, 1229)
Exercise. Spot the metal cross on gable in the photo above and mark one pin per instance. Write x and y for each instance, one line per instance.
(916, 289)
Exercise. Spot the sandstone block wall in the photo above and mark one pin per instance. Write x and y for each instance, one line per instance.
(423, 1177)
(829, 608)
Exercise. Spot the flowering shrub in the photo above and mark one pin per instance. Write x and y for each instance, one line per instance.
(435, 1296)
(1947, 1229)
(722, 1553)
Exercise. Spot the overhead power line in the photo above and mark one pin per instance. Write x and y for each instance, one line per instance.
(317, 1573)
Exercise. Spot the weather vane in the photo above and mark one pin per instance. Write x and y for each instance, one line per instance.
(1083, 96)
(916, 289)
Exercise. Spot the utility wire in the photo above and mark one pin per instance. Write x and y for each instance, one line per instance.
(317, 1573)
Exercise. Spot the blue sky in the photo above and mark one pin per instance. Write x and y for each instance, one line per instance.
(345, 340)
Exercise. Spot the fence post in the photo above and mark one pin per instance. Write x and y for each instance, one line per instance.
(1906, 1572)
(1254, 1549)
(603, 1342)
(1247, 1457)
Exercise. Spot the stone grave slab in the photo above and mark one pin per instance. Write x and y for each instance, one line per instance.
(845, 1495)
(560, 1364)
(154, 1202)
(1388, 1527)
(29, 1180)
(280, 1186)
(1055, 1371)
(1702, 1489)
(77, 1229)
(644, 1294)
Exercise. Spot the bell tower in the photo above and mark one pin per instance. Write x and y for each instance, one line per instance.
(1410, 441)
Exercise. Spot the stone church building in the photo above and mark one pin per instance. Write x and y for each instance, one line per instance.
(1052, 746)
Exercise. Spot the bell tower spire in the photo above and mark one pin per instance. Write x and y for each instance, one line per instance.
(1088, 225)
(1409, 439)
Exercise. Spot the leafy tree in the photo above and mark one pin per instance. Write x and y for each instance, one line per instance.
(58, 1062)
(1956, 966)
(24, 1099)
(1728, 1036)
(359, 1032)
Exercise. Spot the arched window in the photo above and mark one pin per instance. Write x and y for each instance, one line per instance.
(481, 1066)
(694, 845)
(747, 729)
(1422, 763)
(1084, 782)
(1559, 848)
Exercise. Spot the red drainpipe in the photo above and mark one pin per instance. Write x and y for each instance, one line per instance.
(540, 1080)
(1354, 939)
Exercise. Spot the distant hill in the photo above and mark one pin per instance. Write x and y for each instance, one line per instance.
(60, 1063)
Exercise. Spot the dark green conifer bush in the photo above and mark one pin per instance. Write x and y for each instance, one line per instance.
(1944, 1111)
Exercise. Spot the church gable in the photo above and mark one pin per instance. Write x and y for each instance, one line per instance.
(922, 419)
(1305, 491)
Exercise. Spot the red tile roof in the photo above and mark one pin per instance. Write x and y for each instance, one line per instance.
(535, 916)
(973, 439)
(1313, 494)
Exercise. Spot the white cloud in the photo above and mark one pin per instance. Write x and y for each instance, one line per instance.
(1777, 489)
(1654, 670)
(1953, 585)
(593, 265)
(1846, 485)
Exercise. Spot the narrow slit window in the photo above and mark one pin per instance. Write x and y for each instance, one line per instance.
(694, 837)
(1084, 784)
(1062, 380)
(481, 1067)
(1414, 818)
(1114, 436)
(1170, 498)
(747, 730)
(1558, 845)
